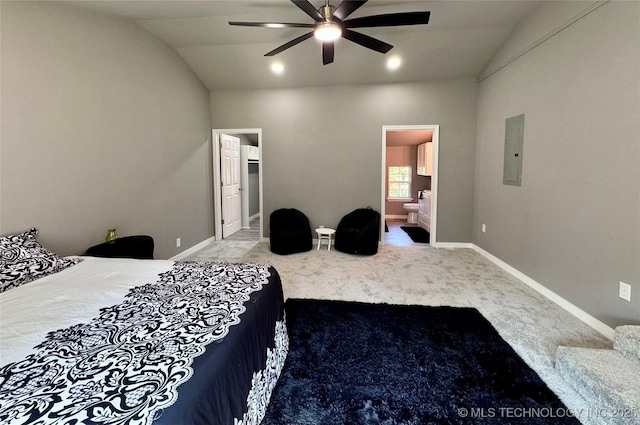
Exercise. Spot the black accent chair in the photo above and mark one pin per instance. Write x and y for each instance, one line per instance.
(140, 247)
(358, 232)
(290, 232)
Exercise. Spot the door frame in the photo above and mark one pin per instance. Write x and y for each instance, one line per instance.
(434, 176)
(217, 192)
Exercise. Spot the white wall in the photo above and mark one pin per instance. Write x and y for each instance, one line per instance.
(103, 125)
(574, 224)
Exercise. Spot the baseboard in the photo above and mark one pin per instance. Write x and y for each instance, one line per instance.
(452, 245)
(568, 306)
(253, 217)
(193, 249)
(395, 217)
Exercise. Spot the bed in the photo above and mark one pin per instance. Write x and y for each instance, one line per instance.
(122, 341)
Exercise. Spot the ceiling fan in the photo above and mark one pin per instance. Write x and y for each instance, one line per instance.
(330, 25)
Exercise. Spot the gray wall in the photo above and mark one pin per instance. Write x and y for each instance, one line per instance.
(574, 225)
(103, 125)
(322, 147)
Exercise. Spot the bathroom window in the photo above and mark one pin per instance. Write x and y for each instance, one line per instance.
(399, 183)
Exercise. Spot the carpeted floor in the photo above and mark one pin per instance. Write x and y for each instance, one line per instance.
(530, 323)
(373, 364)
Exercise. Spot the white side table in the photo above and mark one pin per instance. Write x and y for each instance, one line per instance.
(325, 234)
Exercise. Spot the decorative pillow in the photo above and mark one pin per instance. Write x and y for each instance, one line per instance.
(23, 259)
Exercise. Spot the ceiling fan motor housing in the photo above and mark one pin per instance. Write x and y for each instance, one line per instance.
(329, 29)
(327, 12)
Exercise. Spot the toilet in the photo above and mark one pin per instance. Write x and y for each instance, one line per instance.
(412, 212)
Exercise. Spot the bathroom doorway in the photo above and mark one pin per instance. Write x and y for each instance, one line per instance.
(403, 177)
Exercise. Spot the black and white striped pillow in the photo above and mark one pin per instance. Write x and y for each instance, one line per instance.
(23, 259)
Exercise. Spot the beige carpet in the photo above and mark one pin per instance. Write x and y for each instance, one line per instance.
(529, 322)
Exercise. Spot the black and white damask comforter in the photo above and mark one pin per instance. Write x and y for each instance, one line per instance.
(138, 342)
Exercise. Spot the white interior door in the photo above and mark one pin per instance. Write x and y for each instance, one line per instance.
(230, 181)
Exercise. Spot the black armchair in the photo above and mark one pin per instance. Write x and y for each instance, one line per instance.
(290, 232)
(358, 232)
(140, 247)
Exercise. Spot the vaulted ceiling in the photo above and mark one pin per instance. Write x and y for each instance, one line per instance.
(459, 41)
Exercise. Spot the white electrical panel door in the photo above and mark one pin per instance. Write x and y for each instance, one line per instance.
(513, 147)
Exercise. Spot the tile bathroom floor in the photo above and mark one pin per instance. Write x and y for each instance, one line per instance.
(397, 237)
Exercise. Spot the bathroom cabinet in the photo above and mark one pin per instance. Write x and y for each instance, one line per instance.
(424, 211)
(425, 159)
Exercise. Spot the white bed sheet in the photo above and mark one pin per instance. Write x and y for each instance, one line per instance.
(74, 295)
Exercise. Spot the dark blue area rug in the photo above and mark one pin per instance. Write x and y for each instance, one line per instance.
(373, 364)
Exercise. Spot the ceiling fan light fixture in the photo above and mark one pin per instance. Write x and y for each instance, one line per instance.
(328, 31)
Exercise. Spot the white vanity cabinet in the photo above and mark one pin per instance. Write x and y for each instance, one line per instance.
(424, 211)
(425, 159)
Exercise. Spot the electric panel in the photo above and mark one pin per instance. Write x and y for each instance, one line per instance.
(513, 146)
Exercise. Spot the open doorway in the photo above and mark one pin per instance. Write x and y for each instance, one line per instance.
(242, 201)
(402, 153)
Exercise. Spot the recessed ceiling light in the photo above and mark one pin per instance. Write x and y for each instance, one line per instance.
(277, 68)
(394, 63)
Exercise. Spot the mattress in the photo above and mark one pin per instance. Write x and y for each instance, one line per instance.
(124, 341)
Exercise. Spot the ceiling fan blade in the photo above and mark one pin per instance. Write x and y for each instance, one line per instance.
(389, 20)
(328, 50)
(347, 7)
(366, 41)
(308, 9)
(290, 44)
(272, 24)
